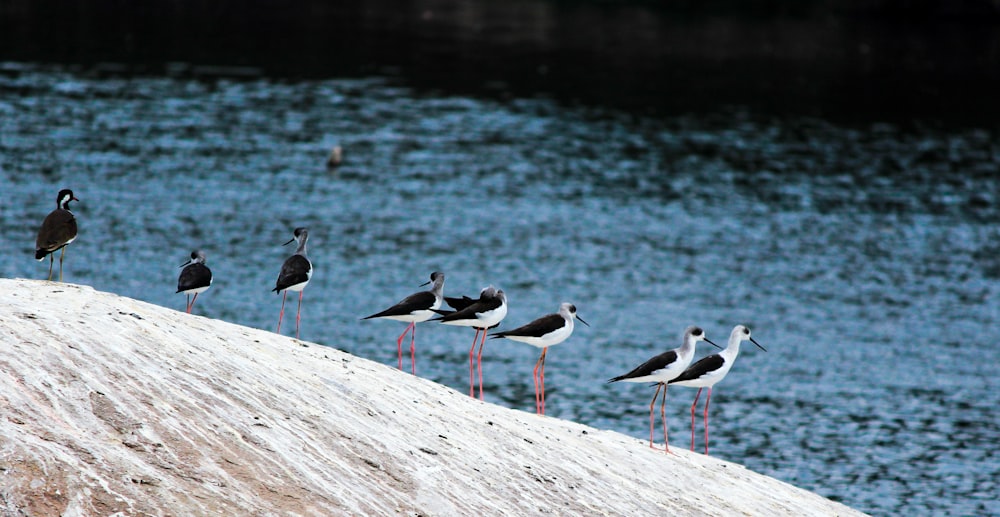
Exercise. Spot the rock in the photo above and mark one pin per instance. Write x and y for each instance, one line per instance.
(114, 405)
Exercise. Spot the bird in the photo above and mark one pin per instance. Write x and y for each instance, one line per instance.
(414, 309)
(195, 278)
(662, 369)
(709, 370)
(549, 330)
(294, 276)
(482, 314)
(57, 231)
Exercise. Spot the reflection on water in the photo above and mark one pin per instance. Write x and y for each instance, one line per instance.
(866, 258)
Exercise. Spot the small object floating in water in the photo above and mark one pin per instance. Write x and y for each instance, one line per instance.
(335, 158)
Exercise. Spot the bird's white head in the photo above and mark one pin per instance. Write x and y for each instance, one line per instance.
(742, 333)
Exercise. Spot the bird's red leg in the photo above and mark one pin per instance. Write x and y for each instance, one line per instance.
(693, 406)
(472, 365)
(413, 348)
(298, 314)
(282, 313)
(663, 418)
(652, 404)
(479, 363)
(399, 345)
(707, 400)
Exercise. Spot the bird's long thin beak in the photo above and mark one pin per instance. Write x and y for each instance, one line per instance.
(425, 283)
(289, 242)
(185, 264)
(752, 340)
(713, 344)
(581, 321)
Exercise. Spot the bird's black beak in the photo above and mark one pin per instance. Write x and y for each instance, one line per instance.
(713, 344)
(289, 242)
(425, 283)
(581, 321)
(186, 263)
(752, 340)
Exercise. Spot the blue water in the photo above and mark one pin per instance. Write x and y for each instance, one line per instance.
(866, 259)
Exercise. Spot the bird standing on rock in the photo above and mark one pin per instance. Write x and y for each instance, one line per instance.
(414, 309)
(195, 278)
(482, 314)
(549, 330)
(294, 276)
(57, 231)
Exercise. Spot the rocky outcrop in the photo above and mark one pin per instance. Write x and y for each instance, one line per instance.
(114, 405)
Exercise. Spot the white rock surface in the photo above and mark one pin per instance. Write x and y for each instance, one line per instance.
(113, 405)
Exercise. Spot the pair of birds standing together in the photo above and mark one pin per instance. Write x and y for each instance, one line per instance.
(481, 314)
(674, 367)
(295, 274)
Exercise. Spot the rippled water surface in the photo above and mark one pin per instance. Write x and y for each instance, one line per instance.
(866, 259)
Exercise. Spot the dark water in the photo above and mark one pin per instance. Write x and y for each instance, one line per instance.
(865, 258)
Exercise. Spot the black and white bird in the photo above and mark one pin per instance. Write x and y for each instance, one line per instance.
(482, 314)
(294, 276)
(709, 370)
(664, 368)
(57, 231)
(195, 278)
(549, 330)
(414, 309)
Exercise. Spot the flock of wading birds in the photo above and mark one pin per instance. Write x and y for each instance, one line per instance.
(483, 313)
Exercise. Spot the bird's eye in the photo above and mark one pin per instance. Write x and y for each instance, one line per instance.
(746, 331)
(696, 332)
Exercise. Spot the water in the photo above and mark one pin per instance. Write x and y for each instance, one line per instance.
(866, 258)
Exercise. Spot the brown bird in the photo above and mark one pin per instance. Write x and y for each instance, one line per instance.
(58, 230)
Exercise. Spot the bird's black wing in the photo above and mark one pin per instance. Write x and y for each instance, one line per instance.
(194, 276)
(421, 301)
(700, 368)
(647, 368)
(537, 328)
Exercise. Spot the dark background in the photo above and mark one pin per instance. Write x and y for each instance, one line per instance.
(897, 60)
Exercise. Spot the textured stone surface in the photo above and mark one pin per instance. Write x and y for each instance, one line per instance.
(108, 404)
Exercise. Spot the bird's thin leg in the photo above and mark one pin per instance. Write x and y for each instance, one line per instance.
(472, 366)
(61, 256)
(298, 314)
(707, 400)
(663, 418)
(693, 406)
(399, 345)
(652, 404)
(191, 306)
(413, 348)
(539, 375)
(188, 309)
(284, 294)
(479, 364)
(543, 379)
(534, 377)
(52, 259)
